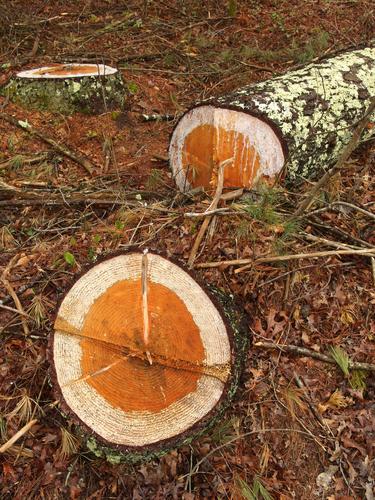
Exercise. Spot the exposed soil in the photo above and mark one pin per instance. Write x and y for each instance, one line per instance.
(171, 55)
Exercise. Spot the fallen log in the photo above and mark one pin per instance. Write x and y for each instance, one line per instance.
(143, 358)
(67, 88)
(294, 125)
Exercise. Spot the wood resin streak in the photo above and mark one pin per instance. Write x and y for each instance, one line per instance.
(207, 146)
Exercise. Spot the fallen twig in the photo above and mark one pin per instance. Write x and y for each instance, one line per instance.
(303, 351)
(300, 383)
(208, 212)
(312, 255)
(8, 286)
(279, 258)
(330, 243)
(350, 147)
(76, 157)
(213, 206)
(333, 205)
(24, 160)
(12, 309)
(17, 435)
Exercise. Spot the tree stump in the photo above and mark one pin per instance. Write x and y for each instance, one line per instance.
(296, 124)
(68, 88)
(143, 357)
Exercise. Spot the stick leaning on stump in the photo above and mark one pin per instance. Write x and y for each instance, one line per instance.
(294, 125)
(136, 386)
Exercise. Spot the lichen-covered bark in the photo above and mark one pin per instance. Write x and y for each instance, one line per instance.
(117, 454)
(313, 108)
(89, 94)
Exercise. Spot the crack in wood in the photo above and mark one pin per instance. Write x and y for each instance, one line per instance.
(220, 371)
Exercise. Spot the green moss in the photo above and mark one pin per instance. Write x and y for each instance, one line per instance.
(90, 95)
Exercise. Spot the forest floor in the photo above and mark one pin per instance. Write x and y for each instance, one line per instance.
(299, 428)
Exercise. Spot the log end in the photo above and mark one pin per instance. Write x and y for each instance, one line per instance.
(207, 135)
(143, 358)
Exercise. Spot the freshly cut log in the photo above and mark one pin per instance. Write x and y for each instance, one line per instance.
(294, 125)
(67, 88)
(143, 358)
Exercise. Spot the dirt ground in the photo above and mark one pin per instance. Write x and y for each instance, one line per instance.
(300, 428)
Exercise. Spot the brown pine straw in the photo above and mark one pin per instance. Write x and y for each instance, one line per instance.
(17, 436)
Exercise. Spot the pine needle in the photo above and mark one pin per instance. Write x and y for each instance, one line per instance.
(335, 401)
(24, 408)
(255, 492)
(37, 310)
(69, 443)
(341, 358)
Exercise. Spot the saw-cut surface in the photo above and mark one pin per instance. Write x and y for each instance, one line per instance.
(73, 70)
(207, 136)
(138, 376)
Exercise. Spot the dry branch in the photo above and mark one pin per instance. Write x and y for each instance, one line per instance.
(303, 351)
(17, 436)
(335, 204)
(12, 293)
(61, 148)
(280, 258)
(212, 207)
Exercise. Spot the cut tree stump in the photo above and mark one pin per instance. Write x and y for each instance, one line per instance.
(143, 358)
(67, 88)
(294, 125)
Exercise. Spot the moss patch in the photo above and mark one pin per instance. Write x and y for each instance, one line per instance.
(91, 94)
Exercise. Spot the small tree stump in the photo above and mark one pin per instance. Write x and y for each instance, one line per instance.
(68, 88)
(143, 358)
(299, 122)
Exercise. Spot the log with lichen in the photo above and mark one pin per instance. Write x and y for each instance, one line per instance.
(293, 126)
(144, 359)
(68, 88)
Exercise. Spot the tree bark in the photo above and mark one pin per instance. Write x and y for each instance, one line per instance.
(143, 358)
(295, 125)
(68, 88)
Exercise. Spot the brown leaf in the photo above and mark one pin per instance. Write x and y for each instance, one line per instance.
(349, 443)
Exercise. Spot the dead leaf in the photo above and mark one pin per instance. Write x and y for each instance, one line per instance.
(336, 400)
(349, 443)
(324, 479)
